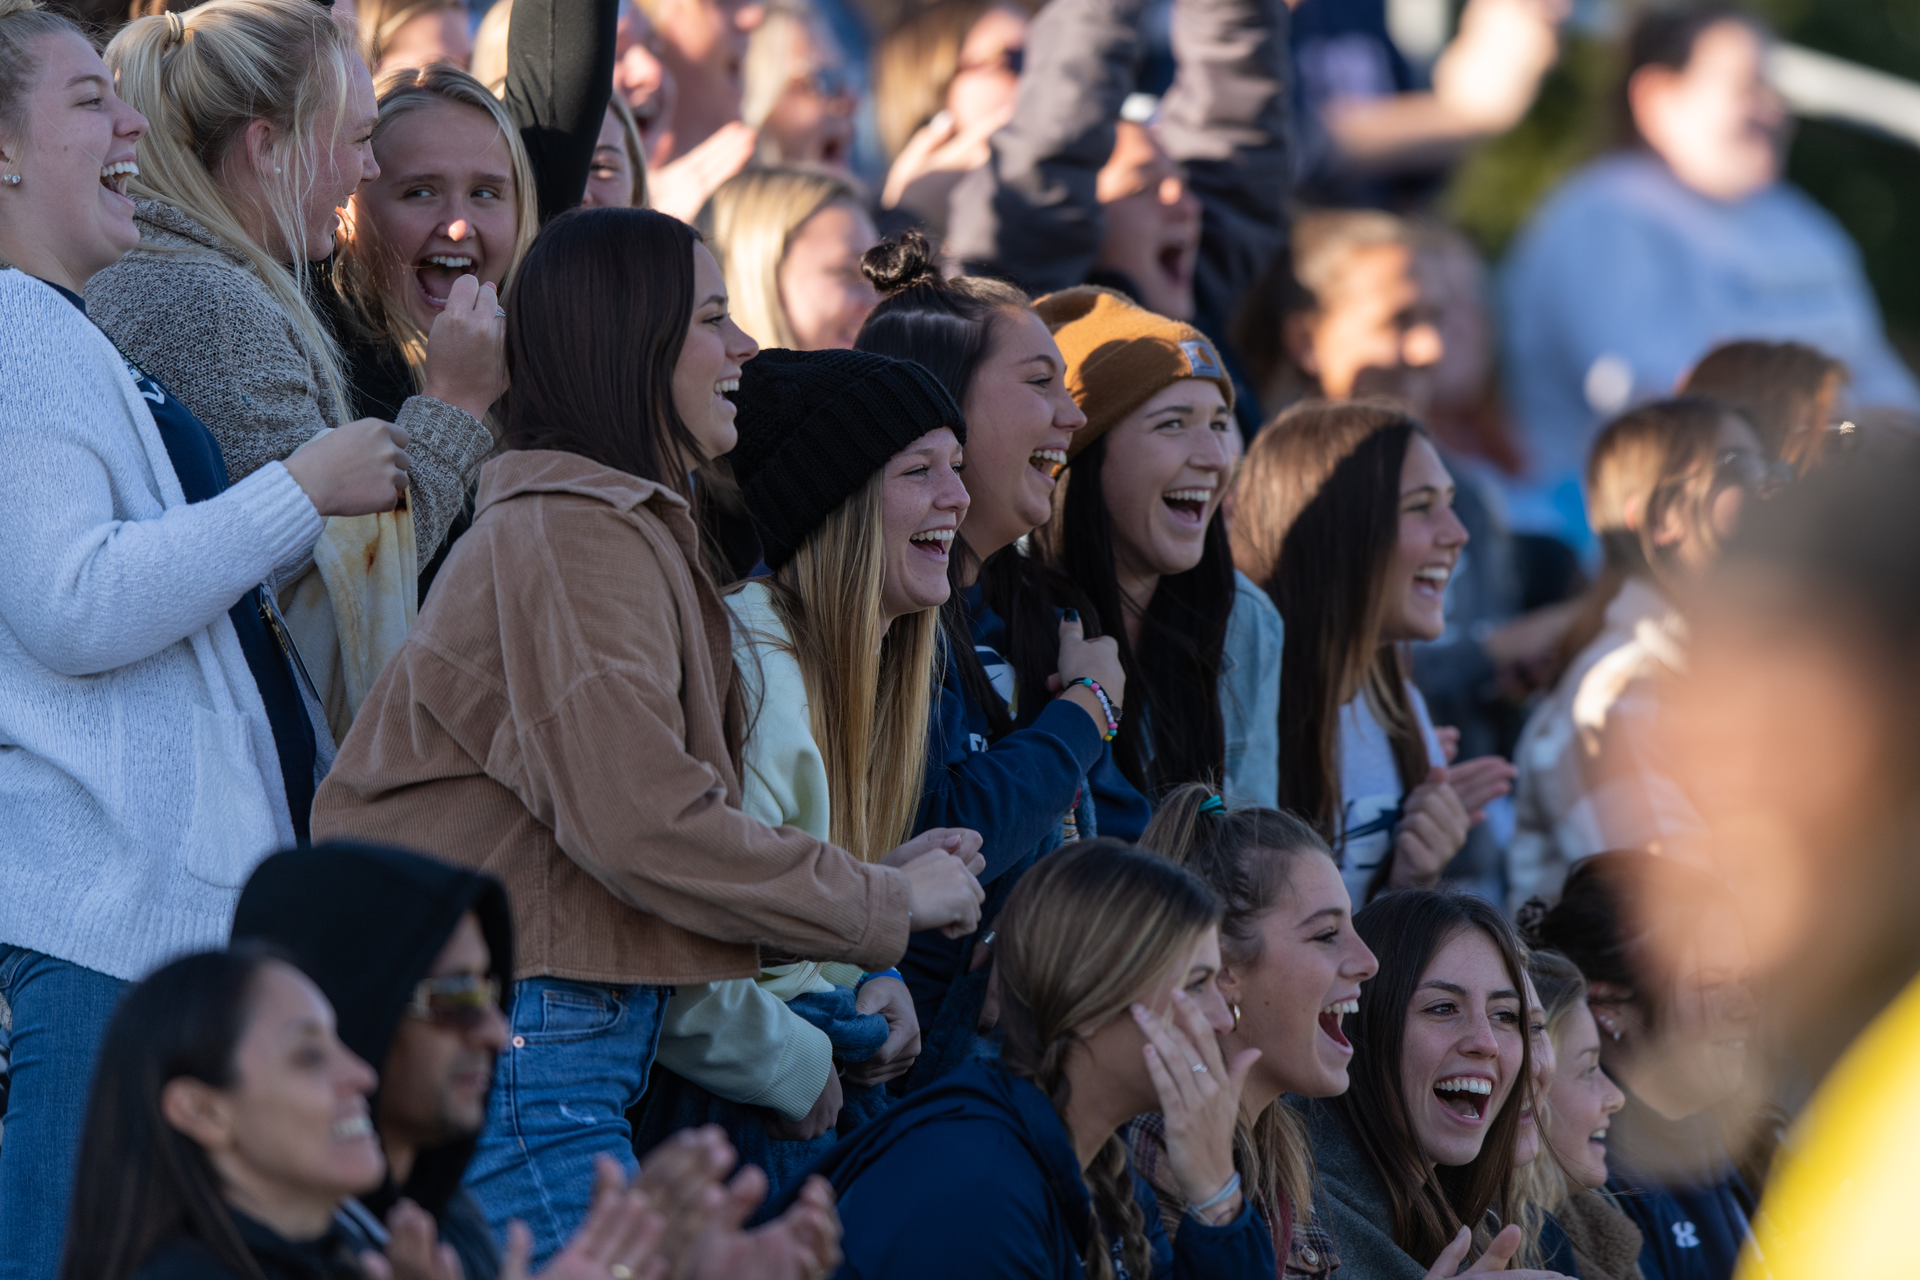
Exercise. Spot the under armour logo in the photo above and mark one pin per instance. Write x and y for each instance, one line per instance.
(1686, 1235)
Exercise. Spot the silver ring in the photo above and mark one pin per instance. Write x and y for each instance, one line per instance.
(1200, 1068)
(988, 940)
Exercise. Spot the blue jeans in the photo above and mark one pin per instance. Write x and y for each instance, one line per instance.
(60, 1013)
(577, 1059)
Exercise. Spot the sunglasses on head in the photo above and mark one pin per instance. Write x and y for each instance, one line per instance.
(461, 1002)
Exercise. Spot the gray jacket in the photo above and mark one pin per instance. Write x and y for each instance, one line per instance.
(1031, 211)
(1359, 1214)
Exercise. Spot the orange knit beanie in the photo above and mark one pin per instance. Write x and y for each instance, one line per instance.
(1119, 355)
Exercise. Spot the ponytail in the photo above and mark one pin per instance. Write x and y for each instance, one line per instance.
(201, 77)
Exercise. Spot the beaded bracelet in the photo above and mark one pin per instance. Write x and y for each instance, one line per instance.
(1106, 705)
(1220, 1197)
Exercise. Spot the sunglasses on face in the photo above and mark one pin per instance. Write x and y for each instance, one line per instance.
(1010, 61)
(461, 1002)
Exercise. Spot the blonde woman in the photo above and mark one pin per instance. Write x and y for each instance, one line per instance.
(262, 114)
(454, 197)
(790, 242)
(836, 654)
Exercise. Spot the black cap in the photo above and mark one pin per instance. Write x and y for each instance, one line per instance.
(814, 427)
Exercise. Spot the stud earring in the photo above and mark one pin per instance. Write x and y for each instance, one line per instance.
(11, 179)
(1234, 1007)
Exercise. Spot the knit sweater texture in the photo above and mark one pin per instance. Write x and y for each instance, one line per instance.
(189, 309)
(138, 775)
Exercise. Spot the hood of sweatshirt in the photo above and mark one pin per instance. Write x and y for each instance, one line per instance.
(977, 1090)
(163, 226)
(366, 924)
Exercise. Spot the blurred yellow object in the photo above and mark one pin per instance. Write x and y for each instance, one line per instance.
(1842, 1200)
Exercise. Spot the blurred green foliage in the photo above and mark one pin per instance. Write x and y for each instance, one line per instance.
(1869, 182)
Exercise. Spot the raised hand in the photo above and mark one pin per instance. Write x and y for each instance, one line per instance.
(414, 1251)
(1498, 1254)
(1199, 1099)
(467, 348)
(620, 1240)
(1433, 826)
(821, 1119)
(1479, 782)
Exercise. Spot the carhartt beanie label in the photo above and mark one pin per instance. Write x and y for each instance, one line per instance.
(815, 425)
(1120, 355)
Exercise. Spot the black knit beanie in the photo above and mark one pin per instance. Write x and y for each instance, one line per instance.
(814, 427)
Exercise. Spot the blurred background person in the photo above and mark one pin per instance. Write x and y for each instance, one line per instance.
(1789, 393)
(1666, 483)
(1642, 261)
(1811, 790)
(640, 78)
(1374, 131)
(618, 178)
(799, 90)
(1663, 948)
(703, 43)
(944, 78)
(395, 34)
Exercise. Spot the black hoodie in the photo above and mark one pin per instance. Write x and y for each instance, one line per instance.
(366, 924)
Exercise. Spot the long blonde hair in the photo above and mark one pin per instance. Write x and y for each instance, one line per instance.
(869, 706)
(748, 222)
(1085, 933)
(915, 63)
(368, 267)
(200, 78)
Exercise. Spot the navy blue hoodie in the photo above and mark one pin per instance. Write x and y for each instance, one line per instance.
(1016, 793)
(1694, 1226)
(976, 1176)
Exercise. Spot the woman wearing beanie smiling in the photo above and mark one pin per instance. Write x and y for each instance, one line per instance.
(850, 465)
(1137, 527)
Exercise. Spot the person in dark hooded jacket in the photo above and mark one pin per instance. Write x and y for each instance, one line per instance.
(413, 954)
(1015, 1167)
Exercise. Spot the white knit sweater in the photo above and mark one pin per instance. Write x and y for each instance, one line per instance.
(139, 784)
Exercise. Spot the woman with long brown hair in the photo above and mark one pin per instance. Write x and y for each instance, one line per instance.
(1107, 967)
(1420, 1150)
(1344, 514)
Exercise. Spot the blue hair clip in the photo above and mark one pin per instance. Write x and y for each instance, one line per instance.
(1213, 804)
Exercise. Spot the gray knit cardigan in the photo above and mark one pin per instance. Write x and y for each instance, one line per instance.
(187, 307)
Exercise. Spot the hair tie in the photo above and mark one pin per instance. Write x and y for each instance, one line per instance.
(176, 28)
(1213, 804)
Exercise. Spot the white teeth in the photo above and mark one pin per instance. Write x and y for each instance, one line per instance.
(1058, 456)
(1466, 1084)
(449, 260)
(1436, 576)
(725, 385)
(941, 536)
(1598, 1135)
(119, 167)
(1188, 495)
(352, 1127)
(1339, 1007)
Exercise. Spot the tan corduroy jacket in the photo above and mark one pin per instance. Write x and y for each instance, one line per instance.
(556, 719)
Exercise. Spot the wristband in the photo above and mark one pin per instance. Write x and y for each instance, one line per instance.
(1106, 705)
(1217, 1199)
(865, 978)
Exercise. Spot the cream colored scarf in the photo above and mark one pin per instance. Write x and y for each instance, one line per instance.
(350, 612)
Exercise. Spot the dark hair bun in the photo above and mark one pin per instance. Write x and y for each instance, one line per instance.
(903, 262)
(1531, 921)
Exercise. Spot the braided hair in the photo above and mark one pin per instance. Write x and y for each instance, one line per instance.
(1085, 932)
